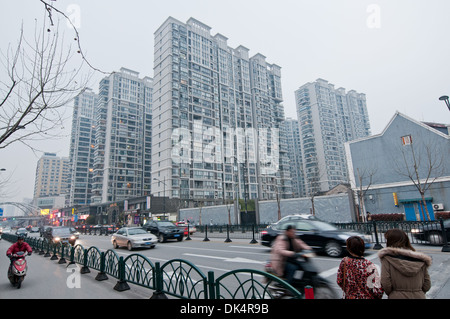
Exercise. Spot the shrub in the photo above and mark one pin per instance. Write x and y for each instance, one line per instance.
(388, 217)
(443, 215)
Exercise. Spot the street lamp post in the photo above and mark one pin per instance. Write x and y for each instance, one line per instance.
(164, 193)
(445, 98)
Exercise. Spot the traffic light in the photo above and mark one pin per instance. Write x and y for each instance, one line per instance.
(395, 199)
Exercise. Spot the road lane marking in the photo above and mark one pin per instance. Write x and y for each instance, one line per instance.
(228, 259)
(247, 247)
(219, 250)
(198, 266)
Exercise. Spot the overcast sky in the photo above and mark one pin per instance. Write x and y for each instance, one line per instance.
(395, 51)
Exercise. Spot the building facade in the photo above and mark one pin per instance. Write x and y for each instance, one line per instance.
(51, 176)
(387, 170)
(328, 118)
(122, 149)
(82, 143)
(295, 157)
(217, 119)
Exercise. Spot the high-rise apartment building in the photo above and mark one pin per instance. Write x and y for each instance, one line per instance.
(328, 118)
(82, 143)
(51, 176)
(122, 149)
(217, 118)
(295, 157)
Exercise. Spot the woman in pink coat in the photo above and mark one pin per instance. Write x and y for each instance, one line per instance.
(284, 249)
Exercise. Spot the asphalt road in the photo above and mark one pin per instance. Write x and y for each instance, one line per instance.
(49, 280)
(214, 255)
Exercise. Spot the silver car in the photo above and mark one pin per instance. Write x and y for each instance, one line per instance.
(133, 237)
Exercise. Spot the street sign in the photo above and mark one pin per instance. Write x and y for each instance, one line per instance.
(1, 211)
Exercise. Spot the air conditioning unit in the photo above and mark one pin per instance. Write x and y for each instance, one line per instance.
(438, 206)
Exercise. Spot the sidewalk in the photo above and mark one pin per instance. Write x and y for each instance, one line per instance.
(439, 271)
(46, 279)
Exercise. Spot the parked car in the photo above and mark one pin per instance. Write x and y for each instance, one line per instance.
(320, 235)
(21, 231)
(133, 237)
(164, 230)
(432, 232)
(60, 234)
(184, 227)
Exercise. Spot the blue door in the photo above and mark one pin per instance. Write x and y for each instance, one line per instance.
(410, 211)
(423, 212)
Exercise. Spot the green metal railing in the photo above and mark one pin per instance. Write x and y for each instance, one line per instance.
(183, 279)
(250, 285)
(177, 277)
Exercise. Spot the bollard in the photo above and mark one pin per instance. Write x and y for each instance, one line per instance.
(188, 235)
(309, 292)
(228, 240)
(377, 245)
(253, 241)
(206, 233)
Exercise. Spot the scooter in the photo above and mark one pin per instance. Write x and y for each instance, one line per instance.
(17, 269)
(306, 275)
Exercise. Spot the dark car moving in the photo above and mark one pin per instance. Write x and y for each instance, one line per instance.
(432, 232)
(60, 234)
(164, 230)
(321, 236)
(22, 231)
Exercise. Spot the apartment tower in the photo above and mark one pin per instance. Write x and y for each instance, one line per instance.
(295, 157)
(122, 149)
(82, 143)
(217, 119)
(328, 118)
(51, 176)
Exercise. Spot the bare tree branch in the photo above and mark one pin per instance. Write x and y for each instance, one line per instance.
(422, 163)
(365, 174)
(42, 80)
(49, 8)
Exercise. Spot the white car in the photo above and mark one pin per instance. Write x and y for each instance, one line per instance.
(133, 237)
